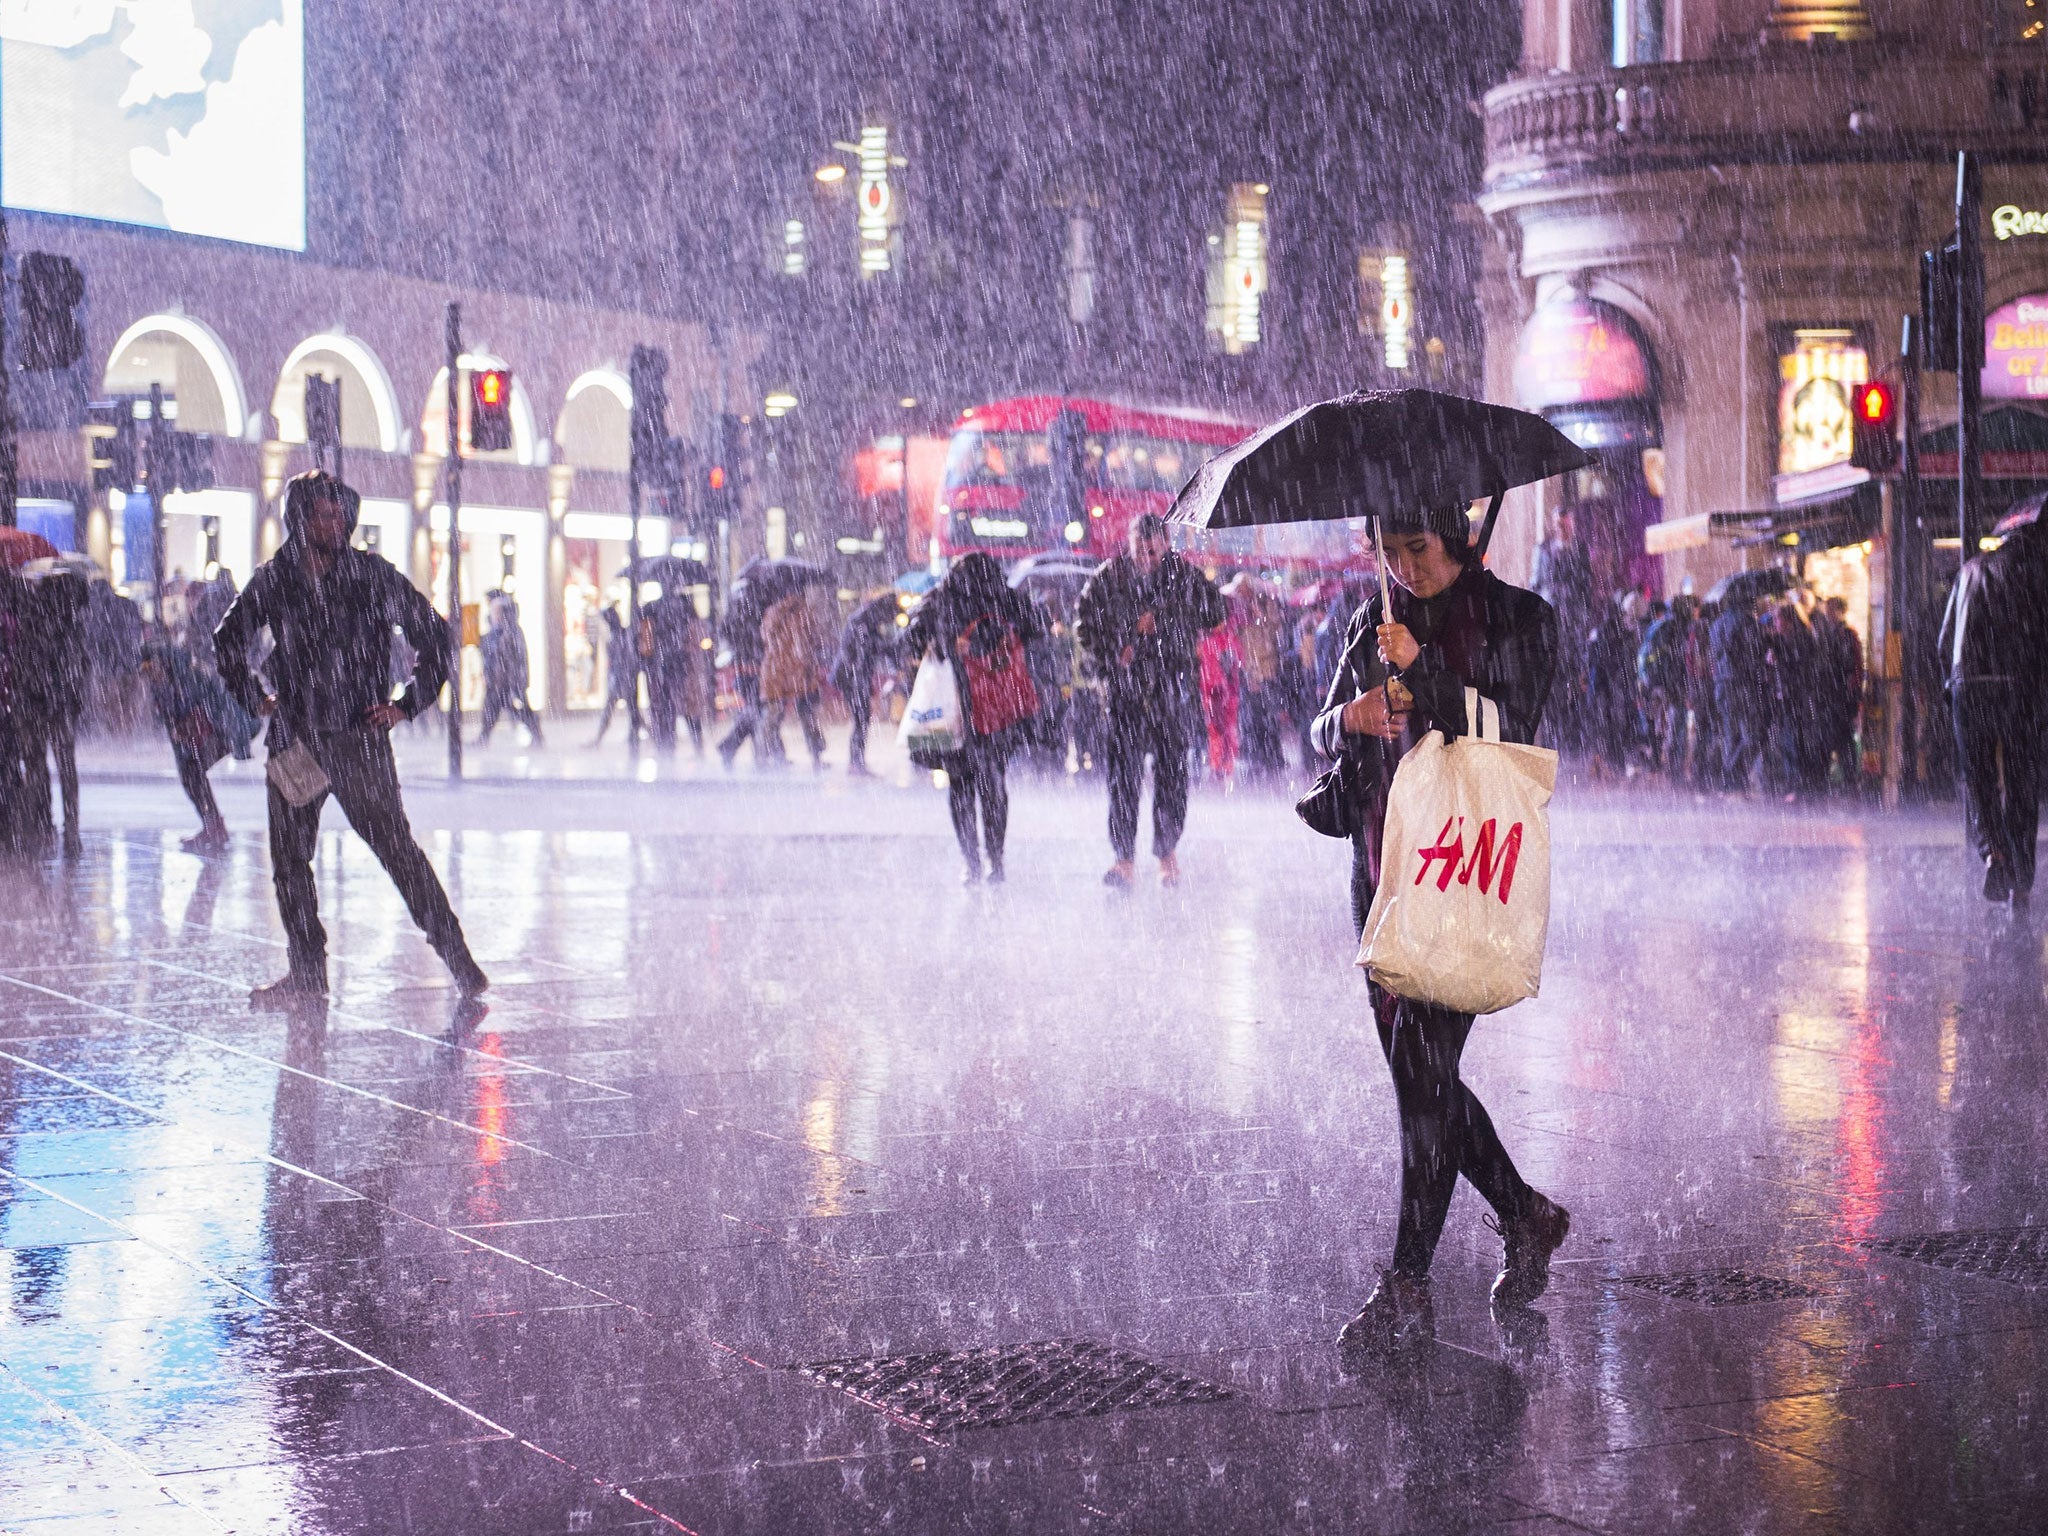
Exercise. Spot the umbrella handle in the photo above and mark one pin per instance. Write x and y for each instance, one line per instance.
(1492, 516)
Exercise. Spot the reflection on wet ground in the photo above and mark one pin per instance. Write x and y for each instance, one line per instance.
(750, 1102)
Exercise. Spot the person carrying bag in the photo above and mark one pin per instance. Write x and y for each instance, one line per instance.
(973, 701)
(1449, 653)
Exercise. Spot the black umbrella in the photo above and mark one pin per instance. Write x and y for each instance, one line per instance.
(772, 580)
(670, 571)
(1369, 454)
(1748, 586)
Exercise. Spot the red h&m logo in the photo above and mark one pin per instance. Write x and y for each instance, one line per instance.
(1449, 850)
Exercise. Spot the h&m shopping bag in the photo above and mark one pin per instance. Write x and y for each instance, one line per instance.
(1463, 905)
(931, 720)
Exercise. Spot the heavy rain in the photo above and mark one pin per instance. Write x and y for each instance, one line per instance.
(1112, 768)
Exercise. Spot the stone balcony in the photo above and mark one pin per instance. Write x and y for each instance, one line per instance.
(1777, 106)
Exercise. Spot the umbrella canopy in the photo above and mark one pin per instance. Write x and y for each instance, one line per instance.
(1057, 572)
(1748, 586)
(18, 546)
(62, 564)
(1367, 455)
(670, 571)
(2022, 515)
(769, 581)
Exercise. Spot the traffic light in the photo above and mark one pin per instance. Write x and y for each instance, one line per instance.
(1875, 443)
(1940, 280)
(52, 288)
(647, 374)
(490, 410)
(722, 473)
(111, 445)
(189, 465)
(323, 411)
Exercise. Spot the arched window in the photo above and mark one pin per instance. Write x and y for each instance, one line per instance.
(369, 406)
(595, 428)
(188, 360)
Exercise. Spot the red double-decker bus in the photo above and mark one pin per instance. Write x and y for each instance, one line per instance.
(1042, 473)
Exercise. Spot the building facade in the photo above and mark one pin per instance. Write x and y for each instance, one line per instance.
(258, 194)
(1707, 217)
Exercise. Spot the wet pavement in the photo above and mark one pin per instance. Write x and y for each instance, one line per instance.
(765, 1098)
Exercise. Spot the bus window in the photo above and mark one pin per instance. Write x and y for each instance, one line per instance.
(996, 458)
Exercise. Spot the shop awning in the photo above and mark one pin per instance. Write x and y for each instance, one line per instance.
(1850, 516)
(2015, 446)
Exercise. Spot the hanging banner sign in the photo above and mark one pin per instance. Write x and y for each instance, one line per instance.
(1580, 352)
(2016, 350)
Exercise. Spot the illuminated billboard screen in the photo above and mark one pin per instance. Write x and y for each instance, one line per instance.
(158, 112)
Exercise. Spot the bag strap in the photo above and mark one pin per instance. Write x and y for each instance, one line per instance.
(1482, 716)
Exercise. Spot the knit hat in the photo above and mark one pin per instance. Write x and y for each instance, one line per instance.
(1448, 523)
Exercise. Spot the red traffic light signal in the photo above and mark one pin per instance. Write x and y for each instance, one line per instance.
(716, 478)
(490, 410)
(1875, 445)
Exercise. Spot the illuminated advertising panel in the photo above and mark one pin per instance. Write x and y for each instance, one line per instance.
(1817, 375)
(158, 113)
(2016, 350)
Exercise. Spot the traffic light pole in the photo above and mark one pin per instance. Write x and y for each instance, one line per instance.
(1969, 350)
(9, 465)
(633, 568)
(454, 546)
(157, 476)
(1910, 565)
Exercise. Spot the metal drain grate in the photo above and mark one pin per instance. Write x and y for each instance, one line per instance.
(1723, 1287)
(2015, 1255)
(1013, 1384)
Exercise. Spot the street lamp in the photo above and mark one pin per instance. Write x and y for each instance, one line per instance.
(780, 403)
(829, 174)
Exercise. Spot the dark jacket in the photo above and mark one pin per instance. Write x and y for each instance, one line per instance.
(972, 592)
(1183, 603)
(1995, 628)
(332, 661)
(1480, 633)
(1737, 646)
(868, 643)
(54, 644)
(1485, 634)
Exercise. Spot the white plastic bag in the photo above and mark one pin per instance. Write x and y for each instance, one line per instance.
(297, 774)
(932, 721)
(1463, 905)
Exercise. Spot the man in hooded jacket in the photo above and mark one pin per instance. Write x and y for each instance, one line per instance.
(331, 609)
(1141, 616)
(1994, 650)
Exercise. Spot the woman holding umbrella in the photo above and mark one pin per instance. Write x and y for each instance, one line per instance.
(974, 620)
(1448, 624)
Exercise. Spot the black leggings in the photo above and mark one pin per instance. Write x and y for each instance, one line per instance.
(1445, 1130)
(979, 775)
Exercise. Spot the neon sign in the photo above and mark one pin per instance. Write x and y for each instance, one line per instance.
(877, 201)
(2012, 221)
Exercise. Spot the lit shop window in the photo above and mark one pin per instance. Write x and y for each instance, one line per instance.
(1818, 371)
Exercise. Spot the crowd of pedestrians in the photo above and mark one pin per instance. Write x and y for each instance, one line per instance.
(1143, 668)
(1760, 690)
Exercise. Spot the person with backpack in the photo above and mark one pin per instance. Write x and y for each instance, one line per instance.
(1661, 668)
(977, 622)
(1140, 617)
